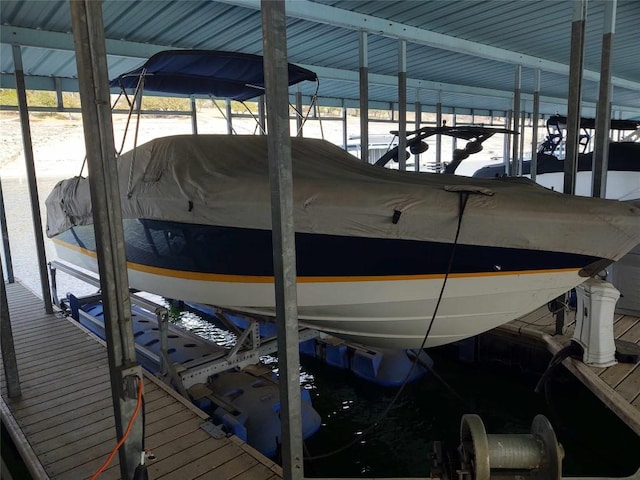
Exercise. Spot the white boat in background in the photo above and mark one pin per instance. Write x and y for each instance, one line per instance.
(384, 257)
(623, 172)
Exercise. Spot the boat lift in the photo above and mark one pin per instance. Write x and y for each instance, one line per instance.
(161, 342)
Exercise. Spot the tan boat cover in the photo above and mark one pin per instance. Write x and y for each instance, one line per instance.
(224, 180)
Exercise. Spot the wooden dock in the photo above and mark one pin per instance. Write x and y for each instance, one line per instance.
(63, 423)
(617, 386)
(64, 428)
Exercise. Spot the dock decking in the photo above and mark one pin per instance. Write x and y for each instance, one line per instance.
(63, 423)
(618, 386)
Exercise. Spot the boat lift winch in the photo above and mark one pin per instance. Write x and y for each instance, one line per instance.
(482, 456)
(509, 456)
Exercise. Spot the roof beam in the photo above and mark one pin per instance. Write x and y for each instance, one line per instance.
(62, 41)
(31, 37)
(319, 13)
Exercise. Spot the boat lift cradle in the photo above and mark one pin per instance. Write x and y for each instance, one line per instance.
(247, 351)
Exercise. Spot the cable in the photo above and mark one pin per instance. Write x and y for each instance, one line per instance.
(464, 196)
(438, 377)
(572, 349)
(126, 433)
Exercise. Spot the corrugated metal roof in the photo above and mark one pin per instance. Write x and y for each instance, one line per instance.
(471, 63)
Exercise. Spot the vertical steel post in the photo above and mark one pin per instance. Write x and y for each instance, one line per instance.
(9, 361)
(345, 134)
(229, 114)
(31, 177)
(402, 104)
(576, 65)
(533, 165)
(364, 97)
(454, 120)
(513, 170)
(194, 115)
(284, 250)
(507, 144)
(4, 231)
(59, 98)
(418, 123)
(262, 115)
(88, 36)
(603, 110)
(299, 114)
(523, 122)
(438, 136)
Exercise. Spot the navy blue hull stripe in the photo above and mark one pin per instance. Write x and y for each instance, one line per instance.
(239, 251)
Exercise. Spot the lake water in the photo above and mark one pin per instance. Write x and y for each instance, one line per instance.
(595, 441)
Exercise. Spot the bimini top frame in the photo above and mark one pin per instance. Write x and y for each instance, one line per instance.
(208, 73)
(213, 73)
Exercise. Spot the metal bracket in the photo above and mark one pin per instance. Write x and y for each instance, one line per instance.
(167, 368)
(216, 431)
(250, 339)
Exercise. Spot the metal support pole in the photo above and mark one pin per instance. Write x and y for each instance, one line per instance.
(576, 63)
(262, 115)
(125, 373)
(534, 127)
(438, 136)
(603, 110)
(194, 116)
(229, 114)
(284, 253)
(454, 120)
(345, 134)
(507, 144)
(9, 362)
(5, 238)
(402, 104)
(513, 170)
(299, 114)
(418, 123)
(31, 177)
(59, 98)
(523, 121)
(364, 97)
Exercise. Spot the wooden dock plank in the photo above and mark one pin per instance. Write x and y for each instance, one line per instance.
(617, 386)
(194, 463)
(234, 467)
(630, 386)
(55, 375)
(76, 437)
(625, 324)
(176, 454)
(29, 406)
(30, 417)
(54, 421)
(65, 413)
(258, 471)
(628, 330)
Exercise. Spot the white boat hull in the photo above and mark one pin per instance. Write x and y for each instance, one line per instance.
(392, 313)
(620, 185)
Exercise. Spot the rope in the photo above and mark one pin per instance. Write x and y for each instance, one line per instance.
(464, 196)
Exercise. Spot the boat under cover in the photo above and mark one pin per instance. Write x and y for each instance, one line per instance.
(623, 160)
(374, 247)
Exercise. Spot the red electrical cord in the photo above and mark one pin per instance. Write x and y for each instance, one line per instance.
(126, 433)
